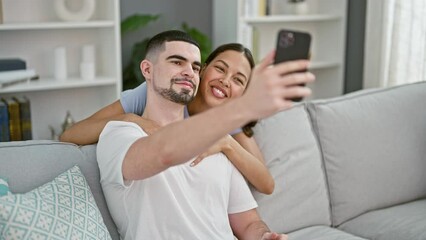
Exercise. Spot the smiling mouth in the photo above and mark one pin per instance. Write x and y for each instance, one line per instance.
(218, 93)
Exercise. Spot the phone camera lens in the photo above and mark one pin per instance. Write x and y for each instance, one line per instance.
(287, 40)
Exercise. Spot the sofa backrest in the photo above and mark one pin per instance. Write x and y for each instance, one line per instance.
(374, 148)
(30, 164)
(291, 152)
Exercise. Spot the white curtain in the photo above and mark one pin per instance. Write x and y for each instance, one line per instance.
(403, 53)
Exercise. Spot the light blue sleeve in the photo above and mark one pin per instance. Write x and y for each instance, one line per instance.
(238, 130)
(134, 100)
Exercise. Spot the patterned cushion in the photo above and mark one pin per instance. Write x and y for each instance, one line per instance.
(61, 209)
(4, 187)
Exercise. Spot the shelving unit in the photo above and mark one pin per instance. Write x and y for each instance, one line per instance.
(325, 21)
(31, 31)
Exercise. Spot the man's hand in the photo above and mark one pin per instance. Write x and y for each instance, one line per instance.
(274, 236)
(272, 87)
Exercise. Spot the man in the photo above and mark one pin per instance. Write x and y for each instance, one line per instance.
(151, 190)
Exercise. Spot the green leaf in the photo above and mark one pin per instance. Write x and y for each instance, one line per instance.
(136, 21)
(132, 75)
(201, 38)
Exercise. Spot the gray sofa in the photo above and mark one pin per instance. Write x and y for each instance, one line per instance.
(347, 168)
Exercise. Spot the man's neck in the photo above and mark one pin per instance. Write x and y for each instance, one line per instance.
(196, 106)
(163, 111)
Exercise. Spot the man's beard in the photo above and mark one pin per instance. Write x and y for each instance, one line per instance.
(183, 97)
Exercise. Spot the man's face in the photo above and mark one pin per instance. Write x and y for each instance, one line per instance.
(176, 72)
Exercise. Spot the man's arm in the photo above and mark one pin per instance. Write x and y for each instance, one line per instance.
(87, 131)
(248, 226)
(269, 91)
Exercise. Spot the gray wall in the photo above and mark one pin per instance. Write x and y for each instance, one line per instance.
(354, 69)
(196, 13)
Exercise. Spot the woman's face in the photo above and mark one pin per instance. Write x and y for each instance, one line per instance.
(224, 78)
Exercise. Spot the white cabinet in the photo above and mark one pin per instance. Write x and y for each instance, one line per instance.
(31, 31)
(325, 21)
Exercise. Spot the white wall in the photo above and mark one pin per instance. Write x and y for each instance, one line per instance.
(224, 24)
(373, 44)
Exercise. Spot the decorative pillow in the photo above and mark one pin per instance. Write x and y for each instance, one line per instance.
(4, 187)
(61, 209)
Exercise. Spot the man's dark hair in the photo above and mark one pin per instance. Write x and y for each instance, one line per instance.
(157, 42)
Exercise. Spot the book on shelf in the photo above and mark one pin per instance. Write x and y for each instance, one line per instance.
(4, 122)
(263, 8)
(16, 76)
(10, 64)
(250, 8)
(14, 119)
(25, 115)
(256, 8)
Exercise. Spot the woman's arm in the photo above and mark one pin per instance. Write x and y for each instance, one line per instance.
(87, 131)
(246, 156)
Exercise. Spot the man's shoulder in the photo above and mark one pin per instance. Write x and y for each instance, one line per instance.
(122, 127)
(122, 124)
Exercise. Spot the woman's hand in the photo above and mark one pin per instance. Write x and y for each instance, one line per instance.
(219, 146)
(245, 155)
(274, 236)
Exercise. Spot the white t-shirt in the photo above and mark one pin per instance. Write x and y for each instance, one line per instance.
(181, 202)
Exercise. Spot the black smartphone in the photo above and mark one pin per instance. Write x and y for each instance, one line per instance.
(292, 45)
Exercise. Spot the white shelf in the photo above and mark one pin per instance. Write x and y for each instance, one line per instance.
(53, 84)
(326, 22)
(290, 18)
(31, 31)
(56, 25)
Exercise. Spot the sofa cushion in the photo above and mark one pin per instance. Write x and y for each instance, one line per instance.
(322, 233)
(405, 221)
(63, 208)
(30, 164)
(300, 198)
(373, 146)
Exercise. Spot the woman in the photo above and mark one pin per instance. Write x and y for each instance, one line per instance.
(224, 75)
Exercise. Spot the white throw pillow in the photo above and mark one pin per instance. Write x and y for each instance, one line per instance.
(4, 187)
(61, 209)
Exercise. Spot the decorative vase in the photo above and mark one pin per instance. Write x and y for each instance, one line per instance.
(60, 63)
(88, 63)
(298, 7)
(85, 12)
